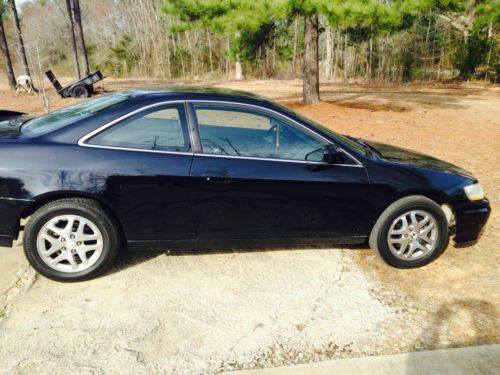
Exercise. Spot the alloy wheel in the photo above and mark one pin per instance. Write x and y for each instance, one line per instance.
(413, 235)
(70, 243)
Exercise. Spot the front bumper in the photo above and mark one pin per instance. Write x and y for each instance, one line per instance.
(470, 218)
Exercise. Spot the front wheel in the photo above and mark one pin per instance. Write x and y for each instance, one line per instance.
(410, 233)
(71, 240)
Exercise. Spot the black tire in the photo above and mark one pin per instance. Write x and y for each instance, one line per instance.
(379, 236)
(81, 91)
(86, 208)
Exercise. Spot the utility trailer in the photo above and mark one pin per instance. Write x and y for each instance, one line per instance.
(82, 88)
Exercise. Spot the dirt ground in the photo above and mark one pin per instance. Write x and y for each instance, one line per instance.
(230, 310)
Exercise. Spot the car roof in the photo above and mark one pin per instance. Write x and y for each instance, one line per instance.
(140, 97)
(197, 93)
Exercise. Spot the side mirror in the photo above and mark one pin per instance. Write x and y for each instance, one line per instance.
(333, 155)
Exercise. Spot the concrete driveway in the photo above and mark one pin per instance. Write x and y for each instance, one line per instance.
(200, 313)
(196, 313)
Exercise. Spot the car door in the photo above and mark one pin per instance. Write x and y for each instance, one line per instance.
(259, 175)
(144, 161)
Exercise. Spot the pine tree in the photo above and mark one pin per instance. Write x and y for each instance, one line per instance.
(238, 20)
(5, 50)
(311, 59)
(252, 22)
(309, 10)
(19, 37)
(77, 16)
(76, 64)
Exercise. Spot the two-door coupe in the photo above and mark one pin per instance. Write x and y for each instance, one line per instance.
(157, 169)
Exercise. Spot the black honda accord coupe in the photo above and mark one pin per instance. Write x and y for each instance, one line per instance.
(172, 168)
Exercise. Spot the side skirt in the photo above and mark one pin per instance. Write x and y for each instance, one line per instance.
(199, 244)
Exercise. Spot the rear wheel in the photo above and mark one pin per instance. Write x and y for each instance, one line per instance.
(71, 240)
(81, 91)
(410, 233)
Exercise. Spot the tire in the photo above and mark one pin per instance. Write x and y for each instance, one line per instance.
(81, 91)
(71, 240)
(413, 245)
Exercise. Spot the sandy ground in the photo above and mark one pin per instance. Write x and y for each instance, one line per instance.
(204, 313)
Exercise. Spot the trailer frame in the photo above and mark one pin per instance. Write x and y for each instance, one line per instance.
(83, 88)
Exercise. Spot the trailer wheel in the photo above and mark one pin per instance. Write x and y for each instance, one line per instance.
(81, 91)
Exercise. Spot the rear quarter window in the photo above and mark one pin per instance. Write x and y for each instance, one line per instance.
(163, 129)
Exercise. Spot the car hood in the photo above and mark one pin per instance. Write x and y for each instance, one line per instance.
(7, 115)
(11, 128)
(417, 159)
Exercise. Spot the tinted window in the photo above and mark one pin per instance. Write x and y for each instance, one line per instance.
(343, 139)
(241, 132)
(161, 129)
(57, 119)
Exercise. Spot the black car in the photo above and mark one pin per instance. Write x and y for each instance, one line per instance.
(157, 169)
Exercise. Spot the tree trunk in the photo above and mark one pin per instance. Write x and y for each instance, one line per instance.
(354, 68)
(329, 54)
(238, 74)
(41, 82)
(379, 65)
(19, 37)
(274, 55)
(384, 64)
(346, 56)
(210, 51)
(191, 54)
(367, 57)
(337, 54)
(169, 64)
(266, 62)
(76, 63)
(426, 61)
(311, 60)
(370, 76)
(488, 59)
(181, 54)
(433, 50)
(228, 62)
(6, 55)
(439, 65)
(77, 14)
(295, 45)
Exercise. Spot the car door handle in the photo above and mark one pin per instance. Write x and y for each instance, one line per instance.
(219, 177)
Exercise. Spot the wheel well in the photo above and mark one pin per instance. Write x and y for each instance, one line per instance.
(42, 201)
(436, 196)
(445, 204)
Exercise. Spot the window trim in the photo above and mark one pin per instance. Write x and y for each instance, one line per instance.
(193, 128)
(83, 141)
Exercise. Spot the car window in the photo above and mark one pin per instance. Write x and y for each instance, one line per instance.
(228, 130)
(161, 129)
(58, 119)
(341, 138)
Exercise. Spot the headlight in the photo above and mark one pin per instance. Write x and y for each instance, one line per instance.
(474, 192)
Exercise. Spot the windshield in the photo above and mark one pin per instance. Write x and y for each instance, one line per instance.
(342, 139)
(58, 119)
